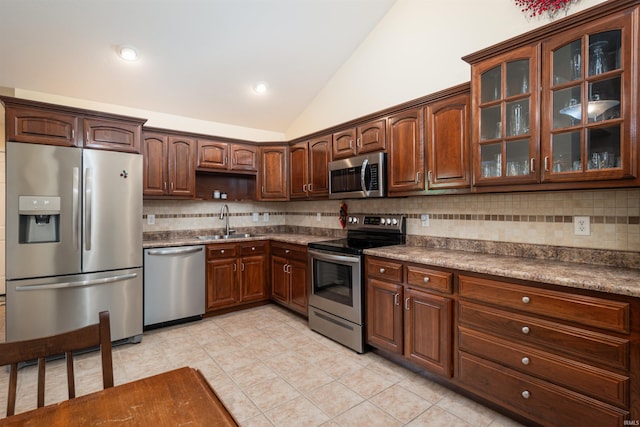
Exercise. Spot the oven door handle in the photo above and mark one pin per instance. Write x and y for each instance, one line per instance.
(323, 256)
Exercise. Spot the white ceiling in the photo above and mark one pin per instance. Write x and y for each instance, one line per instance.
(198, 58)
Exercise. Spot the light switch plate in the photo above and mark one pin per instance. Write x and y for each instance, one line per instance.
(425, 220)
(256, 217)
(581, 225)
(318, 217)
(265, 217)
(151, 219)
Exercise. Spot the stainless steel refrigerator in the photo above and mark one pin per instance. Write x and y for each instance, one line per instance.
(73, 240)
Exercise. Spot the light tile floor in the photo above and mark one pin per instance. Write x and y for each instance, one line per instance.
(270, 369)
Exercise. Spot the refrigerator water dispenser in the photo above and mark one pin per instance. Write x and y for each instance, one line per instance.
(39, 219)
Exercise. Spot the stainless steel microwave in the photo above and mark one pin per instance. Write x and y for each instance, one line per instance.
(358, 177)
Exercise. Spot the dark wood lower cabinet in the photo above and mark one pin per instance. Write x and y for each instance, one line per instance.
(236, 274)
(405, 320)
(548, 355)
(289, 276)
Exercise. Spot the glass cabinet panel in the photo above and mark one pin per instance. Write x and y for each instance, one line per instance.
(506, 107)
(586, 89)
(491, 84)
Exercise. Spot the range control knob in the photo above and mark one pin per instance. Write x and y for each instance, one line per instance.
(394, 221)
(388, 221)
(355, 219)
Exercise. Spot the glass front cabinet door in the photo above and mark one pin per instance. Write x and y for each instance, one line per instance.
(587, 103)
(506, 126)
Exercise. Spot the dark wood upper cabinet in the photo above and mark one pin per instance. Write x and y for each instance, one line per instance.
(557, 108)
(224, 156)
(114, 135)
(365, 138)
(40, 123)
(447, 136)
(406, 152)
(169, 165)
(298, 170)
(272, 176)
(308, 166)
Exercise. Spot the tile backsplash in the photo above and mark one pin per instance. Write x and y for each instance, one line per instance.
(541, 218)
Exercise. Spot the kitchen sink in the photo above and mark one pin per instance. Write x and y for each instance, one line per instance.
(228, 236)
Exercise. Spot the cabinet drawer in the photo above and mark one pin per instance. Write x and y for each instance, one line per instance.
(253, 248)
(429, 279)
(386, 270)
(289, 251)
(542, 402)
(592, 381)
(589, 311)
(222, 251)
(554, 337)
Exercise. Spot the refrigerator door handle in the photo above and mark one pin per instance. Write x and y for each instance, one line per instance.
(174, 251)
(76, 208)
(81, 283)
(88, 192)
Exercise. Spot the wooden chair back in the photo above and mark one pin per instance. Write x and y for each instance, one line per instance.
(14, 353)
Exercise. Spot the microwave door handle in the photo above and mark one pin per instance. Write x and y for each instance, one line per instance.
(363, 173)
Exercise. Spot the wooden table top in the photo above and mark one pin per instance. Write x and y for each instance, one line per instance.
(178, 397)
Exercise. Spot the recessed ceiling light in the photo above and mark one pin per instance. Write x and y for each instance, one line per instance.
(260, 87)
(128, 53)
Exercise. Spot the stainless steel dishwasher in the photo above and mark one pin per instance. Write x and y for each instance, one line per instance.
(174, 285)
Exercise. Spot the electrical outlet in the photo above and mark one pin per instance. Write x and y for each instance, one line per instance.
(425, 220)
(581, 226)
(265, 217)
(256, 217)
(318, 217)
(151, 219)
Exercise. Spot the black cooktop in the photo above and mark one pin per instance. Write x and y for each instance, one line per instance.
(366, 232)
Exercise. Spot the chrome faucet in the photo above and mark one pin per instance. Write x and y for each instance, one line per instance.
(222, 216)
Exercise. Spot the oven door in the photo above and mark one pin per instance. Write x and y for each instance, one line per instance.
(336, 284)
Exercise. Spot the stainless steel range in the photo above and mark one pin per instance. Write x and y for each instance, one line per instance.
(336, 297)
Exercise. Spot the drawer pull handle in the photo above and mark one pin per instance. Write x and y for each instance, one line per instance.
(526, 300)
(287, 251)
(526, 394)
(426, 280)
(382, 270)
(525, 330)
(253, 248)
(525, 360)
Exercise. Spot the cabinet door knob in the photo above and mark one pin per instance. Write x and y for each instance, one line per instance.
(406, 304)
(525, 360)
(221, 251)
(526, 300)
(426, 280)
(253, 248)
(287, 251)
(396, 299)
(525, 330)
(382, 270)
(526, 394)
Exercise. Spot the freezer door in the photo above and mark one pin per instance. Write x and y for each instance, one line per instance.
(42, 307)
(37, 172)
(112, 210)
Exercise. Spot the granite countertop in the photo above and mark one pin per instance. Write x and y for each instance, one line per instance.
(298, 239)
(623, 281)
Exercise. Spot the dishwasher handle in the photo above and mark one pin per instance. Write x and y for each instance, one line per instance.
(180, 251)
